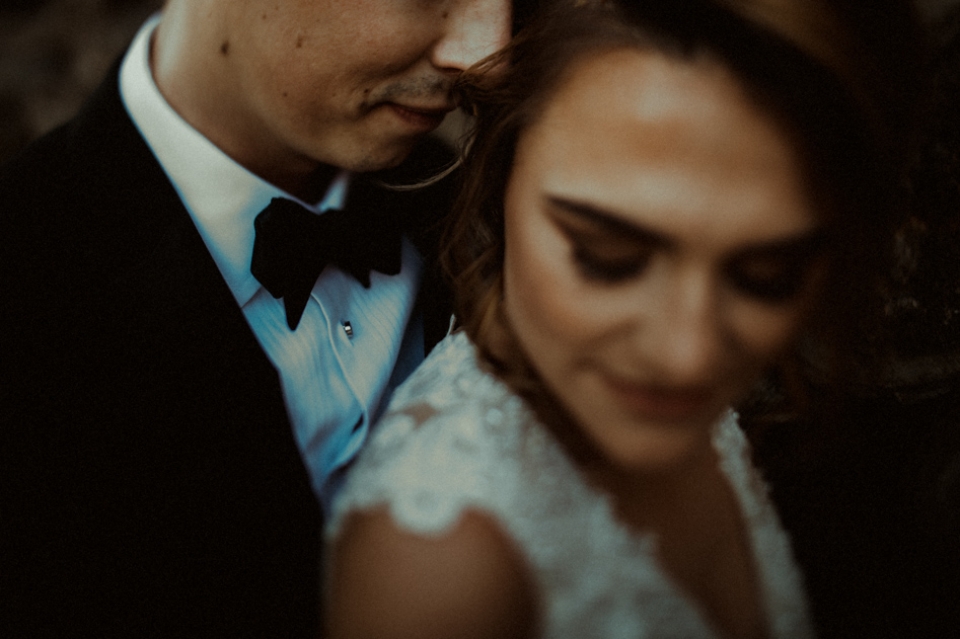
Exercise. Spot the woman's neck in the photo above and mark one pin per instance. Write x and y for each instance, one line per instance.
(702, 541)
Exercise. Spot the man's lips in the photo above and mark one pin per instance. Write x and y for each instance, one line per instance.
(426, 118)
(657, 402)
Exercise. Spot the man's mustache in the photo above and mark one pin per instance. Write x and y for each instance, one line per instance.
(416, 88)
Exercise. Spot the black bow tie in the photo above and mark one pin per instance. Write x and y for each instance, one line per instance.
(293, 245)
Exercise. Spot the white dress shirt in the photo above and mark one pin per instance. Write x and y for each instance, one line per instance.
(351, 347)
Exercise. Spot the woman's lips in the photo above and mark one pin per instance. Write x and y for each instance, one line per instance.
(423, 119)
(661, 403)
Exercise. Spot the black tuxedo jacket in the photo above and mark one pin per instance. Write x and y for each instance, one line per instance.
(151, 484)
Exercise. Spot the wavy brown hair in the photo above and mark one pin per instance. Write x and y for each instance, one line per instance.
(836, 74)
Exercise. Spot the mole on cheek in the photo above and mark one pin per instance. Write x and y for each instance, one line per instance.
(299, 41)
(225, 47)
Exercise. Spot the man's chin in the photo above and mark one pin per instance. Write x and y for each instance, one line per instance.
(386, 157)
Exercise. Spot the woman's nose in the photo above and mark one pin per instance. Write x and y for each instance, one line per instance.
(680, 336)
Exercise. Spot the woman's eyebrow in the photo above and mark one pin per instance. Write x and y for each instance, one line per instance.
(607, 222)
(802, 244)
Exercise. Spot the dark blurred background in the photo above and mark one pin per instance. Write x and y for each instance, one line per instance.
(54, 52)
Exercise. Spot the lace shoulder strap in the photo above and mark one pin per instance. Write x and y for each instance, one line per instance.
(448, 441)
(784, 592)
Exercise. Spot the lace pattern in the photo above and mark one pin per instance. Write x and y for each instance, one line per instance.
(456, 438)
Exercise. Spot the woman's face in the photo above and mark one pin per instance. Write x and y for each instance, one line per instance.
(661, 251)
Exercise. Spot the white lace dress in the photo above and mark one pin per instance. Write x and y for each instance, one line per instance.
(456, 438)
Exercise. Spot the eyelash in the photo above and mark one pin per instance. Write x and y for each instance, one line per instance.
(772, 290)
(595, 268)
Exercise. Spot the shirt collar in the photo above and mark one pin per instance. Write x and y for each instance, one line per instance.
(222, 197)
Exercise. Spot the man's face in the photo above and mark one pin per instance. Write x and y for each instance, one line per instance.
(351, 83)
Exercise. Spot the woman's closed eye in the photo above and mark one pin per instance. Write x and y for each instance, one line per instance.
(604, 248)
(768, 282)
(609, 266)
(778, 274)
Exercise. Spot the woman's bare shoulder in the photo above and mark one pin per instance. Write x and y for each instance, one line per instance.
(388, 583)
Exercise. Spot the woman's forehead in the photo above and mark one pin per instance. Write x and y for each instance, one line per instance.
(667, 141)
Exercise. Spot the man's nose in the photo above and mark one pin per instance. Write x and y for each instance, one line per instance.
(474, 29)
